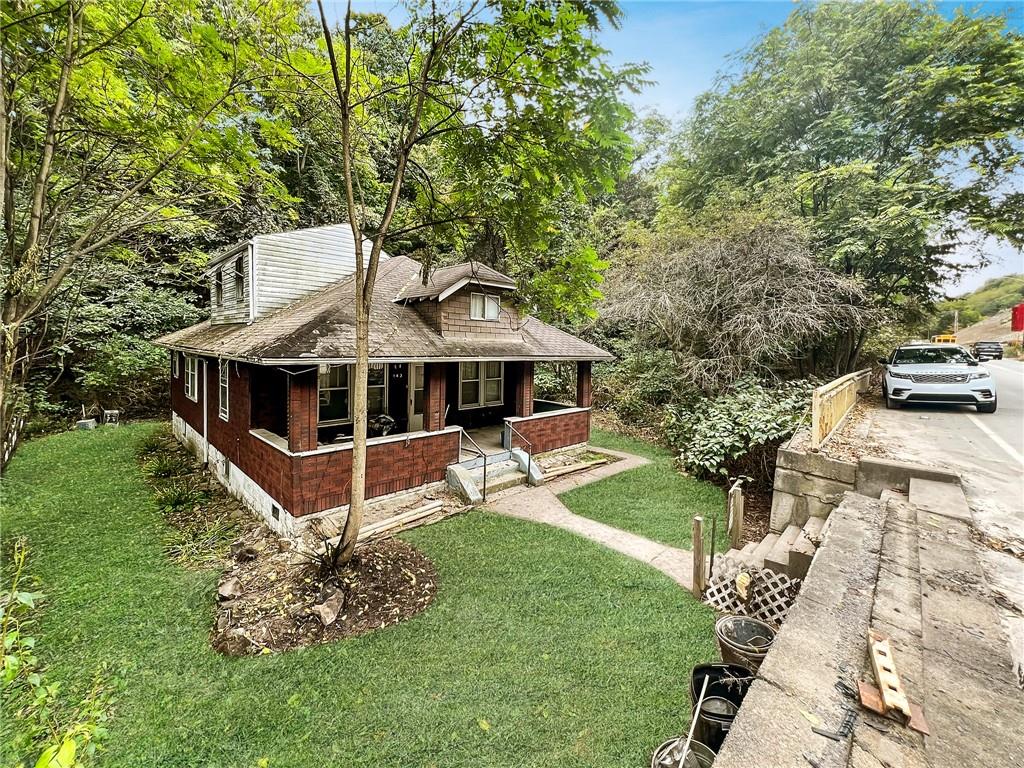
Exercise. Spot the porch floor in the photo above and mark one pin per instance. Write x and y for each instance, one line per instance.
(488, 438)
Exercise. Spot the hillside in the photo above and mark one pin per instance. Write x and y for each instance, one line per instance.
(985, 312)
(995, 328)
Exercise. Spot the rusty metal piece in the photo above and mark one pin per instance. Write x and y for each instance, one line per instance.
(917, 721)
(871, 698)
(893, 696)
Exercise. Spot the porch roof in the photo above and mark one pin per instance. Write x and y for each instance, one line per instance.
(321, 328)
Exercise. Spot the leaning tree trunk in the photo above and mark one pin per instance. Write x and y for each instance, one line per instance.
(10, 393)
(357, 496)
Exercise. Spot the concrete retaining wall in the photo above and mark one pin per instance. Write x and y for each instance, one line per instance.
(821, 643)
(809, 484)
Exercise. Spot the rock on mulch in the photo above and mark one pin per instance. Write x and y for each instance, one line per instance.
(273, 598)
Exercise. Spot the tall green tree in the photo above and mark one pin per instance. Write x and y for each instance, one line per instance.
(888, 127)
(120, 119)
(491, 111)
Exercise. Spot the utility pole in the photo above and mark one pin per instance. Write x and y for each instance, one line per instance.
(956, 321)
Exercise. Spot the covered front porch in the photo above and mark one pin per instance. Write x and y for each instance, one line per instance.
(491, 401)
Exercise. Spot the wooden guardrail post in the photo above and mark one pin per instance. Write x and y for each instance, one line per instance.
(698, 557)
(734, 502)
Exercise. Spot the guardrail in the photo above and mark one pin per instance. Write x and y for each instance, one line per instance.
(830, 404)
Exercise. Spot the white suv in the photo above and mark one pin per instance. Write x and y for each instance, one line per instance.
(936, 373)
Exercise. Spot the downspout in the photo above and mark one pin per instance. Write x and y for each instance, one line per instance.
(252, 280)
(206, 415)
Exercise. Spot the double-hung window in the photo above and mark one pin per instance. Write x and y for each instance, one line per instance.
(239, 279)
(218, 288)
(175, 369)
(192, 378)
(223, 390)
(334, 395)
(481, 384)
(484, 306)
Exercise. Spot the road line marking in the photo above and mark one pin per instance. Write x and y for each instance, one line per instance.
(1010, 450)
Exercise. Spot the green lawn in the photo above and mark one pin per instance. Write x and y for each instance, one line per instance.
(542, 649)
(654, 501)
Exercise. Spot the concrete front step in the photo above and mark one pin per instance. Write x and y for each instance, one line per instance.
(500, 475)
(778, 558)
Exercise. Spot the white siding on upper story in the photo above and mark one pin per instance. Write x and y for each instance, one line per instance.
(290, 265)
(235, 307)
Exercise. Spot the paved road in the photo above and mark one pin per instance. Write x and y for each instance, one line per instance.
(987, 449)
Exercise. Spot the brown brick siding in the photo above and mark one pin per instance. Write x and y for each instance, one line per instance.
(546, 433)
(307, 484)
(524, 389)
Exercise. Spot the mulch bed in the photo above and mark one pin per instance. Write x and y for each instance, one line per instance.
(273, 593)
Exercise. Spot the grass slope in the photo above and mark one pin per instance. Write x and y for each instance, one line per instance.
(542, 649)
(654, 501)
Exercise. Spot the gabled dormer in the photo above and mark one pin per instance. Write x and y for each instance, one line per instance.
(469, 299)
(272, 271)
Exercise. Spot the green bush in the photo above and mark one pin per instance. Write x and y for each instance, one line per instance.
(736, 433)
(164, 464)
(179, 495)
(41, 726)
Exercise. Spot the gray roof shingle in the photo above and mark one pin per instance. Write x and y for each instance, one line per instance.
(321, 327)
(444, 278)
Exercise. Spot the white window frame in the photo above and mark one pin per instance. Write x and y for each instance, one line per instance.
(482, 380)
(175, 364)
(192, 378)
(224, 389)
(489, 300)
(238, 273)
(218, 287)
(348, 388)
(348, 418)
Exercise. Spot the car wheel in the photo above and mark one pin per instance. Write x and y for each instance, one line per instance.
(889, 402)
(987, 407)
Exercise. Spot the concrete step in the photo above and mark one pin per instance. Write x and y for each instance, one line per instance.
(801, 553)
(945, 499)
(761, 551)
(475, 462)
(778, 559)
(500, 475)
(813, 528)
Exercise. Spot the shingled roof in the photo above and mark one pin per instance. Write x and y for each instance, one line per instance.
(444, 281)
(321, 328)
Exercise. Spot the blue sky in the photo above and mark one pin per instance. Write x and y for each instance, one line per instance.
(688, 42)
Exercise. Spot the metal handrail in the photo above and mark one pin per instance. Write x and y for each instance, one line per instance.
(479, 451)
(529, 449)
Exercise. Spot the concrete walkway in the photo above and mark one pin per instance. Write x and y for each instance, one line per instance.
(541, 505)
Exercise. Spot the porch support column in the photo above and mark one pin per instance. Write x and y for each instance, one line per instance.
(303, 410)
(524, 389)
(434, 380)
(584, 390)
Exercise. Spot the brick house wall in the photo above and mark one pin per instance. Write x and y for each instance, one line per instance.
(552, 430)
(313, 482)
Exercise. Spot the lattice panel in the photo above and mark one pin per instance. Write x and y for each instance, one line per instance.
(769, 595)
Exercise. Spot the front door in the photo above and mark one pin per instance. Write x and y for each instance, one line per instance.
(415, 397)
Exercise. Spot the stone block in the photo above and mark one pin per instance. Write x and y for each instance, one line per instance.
(877, 475)
(945, 499)
(817, 464)
(785, 511)
(86, 424)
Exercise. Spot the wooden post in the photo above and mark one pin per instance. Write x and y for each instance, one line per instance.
(698, 557)
(735, 505)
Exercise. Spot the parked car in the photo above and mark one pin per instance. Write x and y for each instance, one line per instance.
(936, 373)
(987, 350)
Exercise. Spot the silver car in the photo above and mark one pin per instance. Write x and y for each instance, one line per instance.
(936, 373)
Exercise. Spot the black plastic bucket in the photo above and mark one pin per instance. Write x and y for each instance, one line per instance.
(727, 685)
(668, 754)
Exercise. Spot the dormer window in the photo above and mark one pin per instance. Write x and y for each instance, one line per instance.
(218, 288)
(484, 306)
(239, 278)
